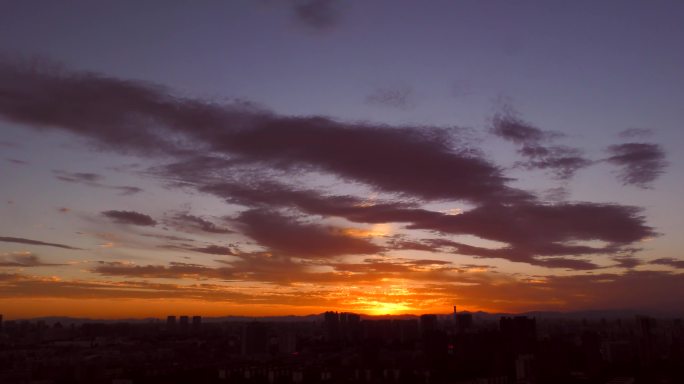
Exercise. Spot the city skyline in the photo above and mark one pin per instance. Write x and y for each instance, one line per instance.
(284, 158)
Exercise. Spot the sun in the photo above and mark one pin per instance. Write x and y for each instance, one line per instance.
(378, 308)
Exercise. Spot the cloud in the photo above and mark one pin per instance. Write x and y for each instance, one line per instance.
(93, 180)
(567, 263)
(16, 161)
(542, 230)
(130, 217)
(167, 237)
(23, 286)
(511, 128)
(627, 261)
(281, 270)
(640, 163)
(274, 194)
(214, 250)
(556, 194)
(23, 259)
(172, 271)
(35, 242)
(529, 229)
(318, 15)
(639, 290)
(186, 221)
(670, 262)
(633, 133)
(292, 237)
(78, 177)
(8, 144)
(562, 161)
(242, 153)
(544, 224)
(636, 290)
(126, 116)
(401, 98)
(127, 190)
(252, 267)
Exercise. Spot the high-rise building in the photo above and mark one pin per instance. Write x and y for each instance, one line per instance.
(196, 323)
(255, 339)
(520, 331)
(350, 326)
(428, 323)
(170, 323)
(464, 321)
(331, 325)
(184, 323)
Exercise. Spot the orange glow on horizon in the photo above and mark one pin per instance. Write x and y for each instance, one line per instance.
(15, 308)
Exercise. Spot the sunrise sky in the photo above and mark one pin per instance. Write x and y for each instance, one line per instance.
(295, 156)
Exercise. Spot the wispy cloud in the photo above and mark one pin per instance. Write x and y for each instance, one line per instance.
(93, 180)
(400, 97)
(670, 262)
(130, 217)
(186, 222)
(534, 145)
(20, 240)
(24, 260)
(640, 163)
(317, 15)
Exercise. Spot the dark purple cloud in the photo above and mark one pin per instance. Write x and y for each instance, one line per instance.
(130, 217)
(24, 260)
(128, 116)
(401, 98)
(640, 163)
(634, 133)
(35, 242)
(319, 15)
(186, 221)
(16, 161)
(292, 237)
(562, 162)
(167, 237)
(93, 180)
(670, 262)
(78, 177)
(125, 190)
(533, 224)
(511, 128)
(273, 194)
(214, 250)
(529, 229)
(627, 261)
(172, 271)
(567, 263)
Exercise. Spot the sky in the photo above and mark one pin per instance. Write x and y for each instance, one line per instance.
(286, 157)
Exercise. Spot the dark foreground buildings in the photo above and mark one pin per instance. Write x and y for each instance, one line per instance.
(345, 348)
